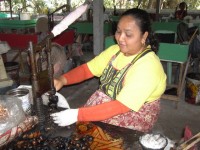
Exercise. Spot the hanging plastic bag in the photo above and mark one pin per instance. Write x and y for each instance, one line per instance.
(11, 112)
(13, 121)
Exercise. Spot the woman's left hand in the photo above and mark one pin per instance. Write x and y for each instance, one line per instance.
(65, 117)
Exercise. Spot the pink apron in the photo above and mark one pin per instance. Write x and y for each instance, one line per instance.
(143, 120)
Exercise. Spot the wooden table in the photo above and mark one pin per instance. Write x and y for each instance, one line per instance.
(130, 137)
(18, 26)
(20, 42)
(169, 26)
(86, 27)
(105, 136)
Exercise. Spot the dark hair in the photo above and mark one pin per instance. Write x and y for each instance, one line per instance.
(183, 4)
(143, 21)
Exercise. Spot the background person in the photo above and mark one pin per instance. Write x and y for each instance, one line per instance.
(132, 79)
(181, 11)
(58, 59)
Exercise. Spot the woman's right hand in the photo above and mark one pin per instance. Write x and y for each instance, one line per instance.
(59, 82)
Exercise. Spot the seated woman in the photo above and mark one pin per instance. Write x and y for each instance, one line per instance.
(182, 12)
(132, 79)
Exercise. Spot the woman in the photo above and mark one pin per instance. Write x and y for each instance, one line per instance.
(182, 12)
(132, 79)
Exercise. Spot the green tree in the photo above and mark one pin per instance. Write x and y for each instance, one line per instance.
(39, 6)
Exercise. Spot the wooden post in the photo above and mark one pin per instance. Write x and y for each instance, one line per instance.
(98, 27)
(157, 9)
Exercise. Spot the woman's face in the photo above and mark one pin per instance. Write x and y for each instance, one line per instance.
(129, 37)
(182, 6)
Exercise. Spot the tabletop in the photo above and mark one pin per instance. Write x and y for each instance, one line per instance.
(86, 27)
(105, 136)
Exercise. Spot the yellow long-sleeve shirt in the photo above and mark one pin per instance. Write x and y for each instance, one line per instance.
(144, 82)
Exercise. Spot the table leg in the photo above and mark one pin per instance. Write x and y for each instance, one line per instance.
(169, 72)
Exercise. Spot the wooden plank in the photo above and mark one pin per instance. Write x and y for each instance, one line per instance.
(87, 27)
(170, 26)
(17, 24)
(173, 52)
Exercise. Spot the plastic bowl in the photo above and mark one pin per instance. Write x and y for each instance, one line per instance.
(153, 141)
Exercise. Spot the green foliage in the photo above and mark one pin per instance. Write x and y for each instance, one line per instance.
(40, 6)
(146, 4)
(192, 4)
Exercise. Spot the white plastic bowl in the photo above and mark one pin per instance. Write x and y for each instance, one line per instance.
(151, 141)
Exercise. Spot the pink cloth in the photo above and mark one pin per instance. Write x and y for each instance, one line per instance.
(143, 120)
